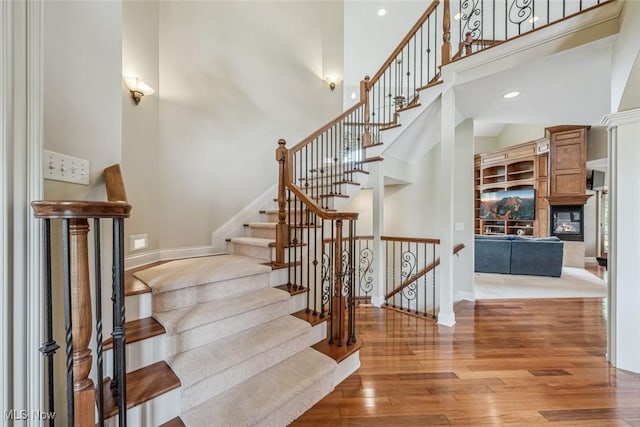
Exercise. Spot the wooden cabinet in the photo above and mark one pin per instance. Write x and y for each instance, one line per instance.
(542, 191)
(568, 160)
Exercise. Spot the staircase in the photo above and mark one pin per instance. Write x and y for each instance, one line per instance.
(232, 339)
(256, 336)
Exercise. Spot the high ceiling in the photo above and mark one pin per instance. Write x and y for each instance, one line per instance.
(572, 86)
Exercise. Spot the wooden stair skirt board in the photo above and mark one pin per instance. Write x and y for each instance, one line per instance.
(143, 385)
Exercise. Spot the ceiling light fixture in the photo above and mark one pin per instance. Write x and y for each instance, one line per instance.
(534, 19)
(353, 95)
(510, 95)
(382, 12)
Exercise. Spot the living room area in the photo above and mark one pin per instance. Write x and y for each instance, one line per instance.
(540, 211)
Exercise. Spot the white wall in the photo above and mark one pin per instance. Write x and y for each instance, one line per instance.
(413, 209)
(464, 211)
(140, 52)
(624, 58)
(82, 89)
(369, 39)
(235, 77)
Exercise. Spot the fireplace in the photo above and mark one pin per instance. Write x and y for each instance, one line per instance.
(567, 222)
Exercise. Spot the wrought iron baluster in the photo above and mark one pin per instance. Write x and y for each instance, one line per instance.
(424, 280)
(98, 303)
(49, 347)
(433, 275)
(119, 320)
(351, 335)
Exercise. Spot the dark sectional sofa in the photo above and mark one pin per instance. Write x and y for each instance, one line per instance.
(540, 256)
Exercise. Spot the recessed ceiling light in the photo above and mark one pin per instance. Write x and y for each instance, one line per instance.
(510, 95)
(457, 17)
(381, 12)
(534, 19)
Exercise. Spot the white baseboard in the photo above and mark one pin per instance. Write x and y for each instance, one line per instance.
(464, 296)
(446, 319)
(377, 301)
(145, 258)
(235, 226)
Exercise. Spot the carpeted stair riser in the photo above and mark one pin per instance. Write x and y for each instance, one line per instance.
(197, 325)
(272, 215)
(208, 292)
(216, 367)
(240, 246)
(263, 230)
(274, 397)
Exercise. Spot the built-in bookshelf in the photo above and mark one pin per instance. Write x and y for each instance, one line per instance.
(513, 168)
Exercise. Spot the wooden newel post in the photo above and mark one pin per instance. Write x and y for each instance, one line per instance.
(468, 42)
(83, 388)
(282, 240)
(338, 310)
(364, 96)
(446, 33)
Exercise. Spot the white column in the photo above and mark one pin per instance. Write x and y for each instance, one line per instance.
(624, 240)
(21, 172)
(376, 180)
(446, 315)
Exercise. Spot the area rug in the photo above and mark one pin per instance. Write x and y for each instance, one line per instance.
(573, 283)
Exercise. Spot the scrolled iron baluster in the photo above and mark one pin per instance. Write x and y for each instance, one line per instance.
(520, 11)
(366, 270)
(471, 17)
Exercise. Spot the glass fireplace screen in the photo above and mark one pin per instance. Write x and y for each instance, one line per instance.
(567, 222)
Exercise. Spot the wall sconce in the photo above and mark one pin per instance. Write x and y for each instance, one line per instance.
(138, 88)
(332, 81)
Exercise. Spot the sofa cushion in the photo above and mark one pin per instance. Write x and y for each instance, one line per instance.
(537, 257)
(493, 255)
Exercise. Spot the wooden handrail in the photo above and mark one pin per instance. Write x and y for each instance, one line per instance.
(115, 184)
(285, 157)
(76, 209)
(356, 238)
(324, 128)
(410, 239)
(432, 7)
(421, 273)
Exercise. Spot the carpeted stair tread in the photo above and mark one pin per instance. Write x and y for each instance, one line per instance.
(194, 365)
(253, 401)
(252, 241)
(176, 321)
(185, 273)
(268, 225)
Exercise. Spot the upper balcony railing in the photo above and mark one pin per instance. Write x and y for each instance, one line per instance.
(475, 25)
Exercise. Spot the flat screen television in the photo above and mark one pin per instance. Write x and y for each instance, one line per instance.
(508, 205)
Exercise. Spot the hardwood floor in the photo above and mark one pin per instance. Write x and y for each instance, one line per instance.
(515, 362)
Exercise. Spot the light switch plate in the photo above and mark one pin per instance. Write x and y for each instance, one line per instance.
(459, 226)
(60, 167)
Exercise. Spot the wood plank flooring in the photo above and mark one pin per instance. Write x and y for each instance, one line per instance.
(515, 362)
